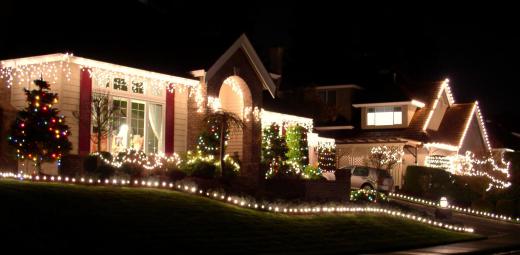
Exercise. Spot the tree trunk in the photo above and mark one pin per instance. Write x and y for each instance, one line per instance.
(98, 141)
(222, 142)
(38, 166)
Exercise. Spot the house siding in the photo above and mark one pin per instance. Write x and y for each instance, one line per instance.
(180, 121)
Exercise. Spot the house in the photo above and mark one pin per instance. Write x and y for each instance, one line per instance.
(161, 113)
(423, 120)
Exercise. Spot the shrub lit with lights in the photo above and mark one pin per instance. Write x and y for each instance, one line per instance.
(367, 195)
(326, 158)
(274, 150)
(296, 139)
(39, 132)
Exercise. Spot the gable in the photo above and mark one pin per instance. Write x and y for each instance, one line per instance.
(443, 92)
(473, 140)
(453, 125)
(438, 112)
(243, 46)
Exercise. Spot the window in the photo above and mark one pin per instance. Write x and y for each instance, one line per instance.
(120, 84)
(384, 116)
(137, 126)
(360, 171)
(137, 87)
(120, 127)
(328, 97)
(154, 129)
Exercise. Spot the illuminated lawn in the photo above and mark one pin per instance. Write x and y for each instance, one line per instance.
(38, 216)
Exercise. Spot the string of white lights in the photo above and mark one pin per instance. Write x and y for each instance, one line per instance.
(238, 201)
(469, 165)
(458, 209)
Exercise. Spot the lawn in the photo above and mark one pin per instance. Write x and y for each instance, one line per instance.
(63, 217)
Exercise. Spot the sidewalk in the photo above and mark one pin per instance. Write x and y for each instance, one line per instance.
(502, 237)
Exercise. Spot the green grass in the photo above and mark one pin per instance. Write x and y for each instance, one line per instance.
(61, 217)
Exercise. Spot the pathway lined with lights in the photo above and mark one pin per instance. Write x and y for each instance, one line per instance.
(235, 200)
(468, 211)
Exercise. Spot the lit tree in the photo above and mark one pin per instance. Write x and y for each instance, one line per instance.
(208, 142)
(225, 121)
(39, 133)
(274, 149)
(385, 157)
(103, 114)
(296, 138)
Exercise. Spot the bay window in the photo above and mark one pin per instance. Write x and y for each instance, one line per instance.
(138, 119)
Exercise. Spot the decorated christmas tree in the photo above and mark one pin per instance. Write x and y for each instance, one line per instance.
(208, 142)
(39, 133)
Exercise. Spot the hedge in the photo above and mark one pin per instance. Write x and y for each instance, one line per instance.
(433, 183)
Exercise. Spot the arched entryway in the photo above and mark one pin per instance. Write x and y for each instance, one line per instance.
(235, 96)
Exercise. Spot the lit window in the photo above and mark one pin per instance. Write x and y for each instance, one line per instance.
(384, 116)
(120, 84)
(119, 137)
(154, 129)
(137, 126)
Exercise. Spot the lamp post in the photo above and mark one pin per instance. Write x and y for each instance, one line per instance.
(443, 211)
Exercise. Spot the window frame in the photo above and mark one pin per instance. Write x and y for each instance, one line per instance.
(372, 115)
(147, 97)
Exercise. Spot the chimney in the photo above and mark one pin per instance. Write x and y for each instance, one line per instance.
(276, 59)
(276, 65)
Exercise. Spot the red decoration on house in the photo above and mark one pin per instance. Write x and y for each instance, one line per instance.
(170, 122)
(85, 96)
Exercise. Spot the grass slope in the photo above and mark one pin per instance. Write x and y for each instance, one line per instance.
(61, 217)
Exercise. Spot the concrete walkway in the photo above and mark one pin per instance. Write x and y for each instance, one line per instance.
(502, 237)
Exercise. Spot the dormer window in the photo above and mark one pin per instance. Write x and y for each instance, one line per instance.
(328, 97)
(384, 116)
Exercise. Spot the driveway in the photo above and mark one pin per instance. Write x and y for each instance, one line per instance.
(502, 237)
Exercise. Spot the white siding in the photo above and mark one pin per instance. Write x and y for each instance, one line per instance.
(181, 121)
(69, 104)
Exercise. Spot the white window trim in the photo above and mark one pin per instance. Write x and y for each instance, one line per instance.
(374, 124)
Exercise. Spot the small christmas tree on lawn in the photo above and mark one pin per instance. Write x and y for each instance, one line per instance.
(39, 133)
(208, 142)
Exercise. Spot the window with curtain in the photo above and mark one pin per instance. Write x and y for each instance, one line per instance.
(384, 116)
(154, 128)
(119, 134)
(137, 126)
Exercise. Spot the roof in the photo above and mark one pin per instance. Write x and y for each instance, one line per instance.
(451, 131)
(453, 125)
(90, 63)
(243, 43)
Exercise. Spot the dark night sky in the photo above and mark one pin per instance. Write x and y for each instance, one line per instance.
(476, 46)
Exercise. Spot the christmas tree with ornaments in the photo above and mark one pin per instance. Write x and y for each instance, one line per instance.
(39, 132)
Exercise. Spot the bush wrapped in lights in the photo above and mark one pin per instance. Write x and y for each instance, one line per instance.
(327, 159)
(208, 167)
(367, 195)
(312, 172)
(296, 138)
(274, 150)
